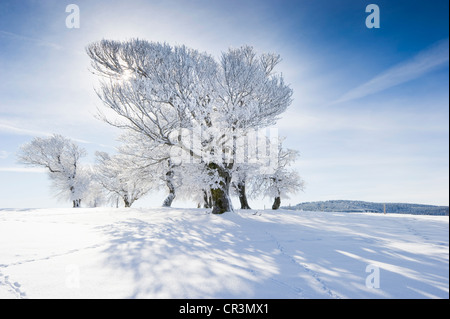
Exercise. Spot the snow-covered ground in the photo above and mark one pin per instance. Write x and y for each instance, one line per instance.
(189, 253)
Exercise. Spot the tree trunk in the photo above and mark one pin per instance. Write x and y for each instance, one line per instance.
(207, 200)
(169, 199)
(76, 203)
(276, 203)
(242, 195)
(126, 202)
(170, 185)
(221, 195)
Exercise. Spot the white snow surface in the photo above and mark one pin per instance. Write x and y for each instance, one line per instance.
(189, 253)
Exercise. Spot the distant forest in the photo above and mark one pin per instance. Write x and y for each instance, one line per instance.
(350, 206)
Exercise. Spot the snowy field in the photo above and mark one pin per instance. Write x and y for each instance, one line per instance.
(189, 253)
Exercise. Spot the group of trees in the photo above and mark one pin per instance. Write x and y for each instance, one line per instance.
(187, 124)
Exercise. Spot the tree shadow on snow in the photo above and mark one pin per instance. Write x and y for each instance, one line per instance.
(247, 256)
(179, 259)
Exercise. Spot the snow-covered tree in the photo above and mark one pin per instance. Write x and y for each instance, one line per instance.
(241, 174)
(280, 182)
(96, 194)
(258, 155)
(158, 91)
(61, 157)
(195, 183)
(153, 161)
(241, 191)
(79, 186)
(117, 175)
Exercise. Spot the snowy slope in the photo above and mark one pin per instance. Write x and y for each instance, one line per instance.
(182, 253)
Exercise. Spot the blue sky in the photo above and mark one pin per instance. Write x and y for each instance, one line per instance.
(370, 112)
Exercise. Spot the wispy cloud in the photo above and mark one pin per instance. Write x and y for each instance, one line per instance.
(40, 42)
(21, 131)
(13, 129)
(424, 62)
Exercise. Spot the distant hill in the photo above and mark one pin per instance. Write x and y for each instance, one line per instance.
(351, 206)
